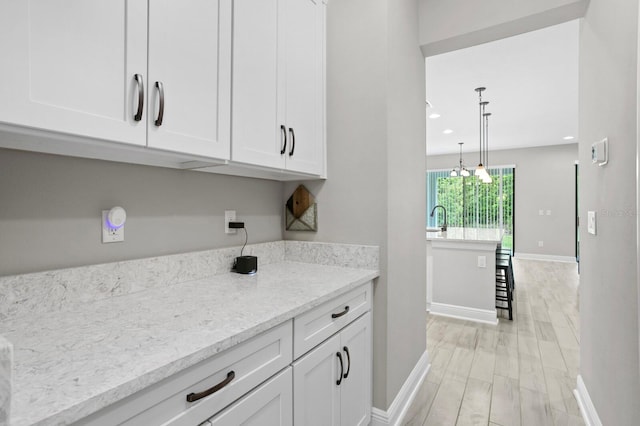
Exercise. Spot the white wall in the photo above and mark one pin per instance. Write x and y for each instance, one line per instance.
(375, 190)
(545, 180)
(50, 210)
(447, 25)
(608, 281)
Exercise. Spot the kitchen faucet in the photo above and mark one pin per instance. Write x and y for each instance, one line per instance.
(444, 225)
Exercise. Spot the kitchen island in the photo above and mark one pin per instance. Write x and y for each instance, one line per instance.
(461, 273)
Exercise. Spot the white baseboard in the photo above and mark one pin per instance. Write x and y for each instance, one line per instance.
(588, 410)
(465, 313)
(398, 408)
(548, 257)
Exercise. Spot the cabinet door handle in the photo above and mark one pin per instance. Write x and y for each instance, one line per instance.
(160, 88)
(284, 135)
(192, 397)
(346, 309)
(293, 141)
(339, 355)
(346, 350)
(140, 84)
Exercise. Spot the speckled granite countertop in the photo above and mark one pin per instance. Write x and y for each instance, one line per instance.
(71, 363)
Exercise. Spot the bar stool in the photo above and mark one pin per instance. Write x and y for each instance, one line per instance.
(504, 281)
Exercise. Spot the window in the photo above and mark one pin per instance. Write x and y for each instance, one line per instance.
(472, 204)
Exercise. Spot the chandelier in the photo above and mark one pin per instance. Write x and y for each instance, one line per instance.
(461, 170)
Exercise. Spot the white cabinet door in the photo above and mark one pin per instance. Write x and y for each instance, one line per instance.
(304, 45)
(278, 84)
(268, 405)
(69, 66)
(316, 399)
(190, 76)
(355, 389)
(258, 83)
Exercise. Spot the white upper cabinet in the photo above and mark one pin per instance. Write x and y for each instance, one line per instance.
(69, 66)
(79, 67)
(278, 84)
(190, 76)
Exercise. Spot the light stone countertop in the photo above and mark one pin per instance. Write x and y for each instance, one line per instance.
(477, 235)
(72, 363)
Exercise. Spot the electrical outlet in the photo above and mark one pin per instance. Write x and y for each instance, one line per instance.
(540, 243)
(591, 222)
(482, 261)
(541, 212)
(229, 216)
(548, 212)
(110, 235)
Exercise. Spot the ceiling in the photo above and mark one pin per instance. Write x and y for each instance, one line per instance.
(531, 84)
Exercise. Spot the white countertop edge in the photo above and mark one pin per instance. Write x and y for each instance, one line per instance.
(103, 400)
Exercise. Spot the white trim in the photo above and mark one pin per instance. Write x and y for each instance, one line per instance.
(587, 409)
(398, 408)
(486, 316)
(548, 257)
(473, 245)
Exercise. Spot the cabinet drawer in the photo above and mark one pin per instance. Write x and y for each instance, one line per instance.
(165, 403)
(315, 326)
(269, 405)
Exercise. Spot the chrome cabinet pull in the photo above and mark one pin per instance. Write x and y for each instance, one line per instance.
(346, 309)
(339, 355)
(346, 350)
(293, 141)
(140, 83)
(160, 88)
(192, 397)
(284, 134)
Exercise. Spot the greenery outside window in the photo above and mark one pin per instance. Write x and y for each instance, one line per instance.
(471, 203)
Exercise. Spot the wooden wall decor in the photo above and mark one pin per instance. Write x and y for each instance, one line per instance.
(301, 211)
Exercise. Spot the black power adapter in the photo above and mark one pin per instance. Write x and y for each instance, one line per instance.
(243, 264)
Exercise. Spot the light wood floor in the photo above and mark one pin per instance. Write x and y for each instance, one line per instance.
(520, 372)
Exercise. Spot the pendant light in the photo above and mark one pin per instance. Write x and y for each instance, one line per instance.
(487, 177)
(461, 170)
(480, 171)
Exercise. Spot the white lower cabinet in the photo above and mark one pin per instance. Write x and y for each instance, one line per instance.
(269, 405)
(264, 381)
(332, 383)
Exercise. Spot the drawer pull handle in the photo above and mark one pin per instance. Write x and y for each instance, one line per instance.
(346, 350)
(339, 355)
(140, 84)
(192, 397)
(346, 309)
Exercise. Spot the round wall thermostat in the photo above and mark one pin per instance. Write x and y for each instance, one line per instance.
(116, 217)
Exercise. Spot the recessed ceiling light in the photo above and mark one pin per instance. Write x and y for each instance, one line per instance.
(448, 132)
(434, 115)
(568, 138)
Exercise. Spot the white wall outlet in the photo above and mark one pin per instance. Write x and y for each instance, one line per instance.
(591, 222)
(540, 243)
(548, 212)
(229, 216)
(109, 234)
(482, 261)
(541, 212)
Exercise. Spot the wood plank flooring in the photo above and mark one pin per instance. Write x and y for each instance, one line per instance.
(518, 373)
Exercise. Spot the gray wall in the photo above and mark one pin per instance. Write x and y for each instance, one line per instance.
(447, 25)
(50, 210)
(545, 180)
(608, 280)
(375, 190)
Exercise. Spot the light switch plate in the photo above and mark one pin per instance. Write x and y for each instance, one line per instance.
(482, 261)
(591, 222)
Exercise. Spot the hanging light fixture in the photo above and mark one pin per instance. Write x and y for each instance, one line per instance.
(487, 177)
(461, 170)
(480, 171)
